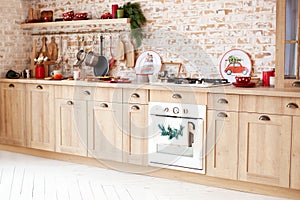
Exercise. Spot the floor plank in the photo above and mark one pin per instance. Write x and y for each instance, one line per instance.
(24, 177)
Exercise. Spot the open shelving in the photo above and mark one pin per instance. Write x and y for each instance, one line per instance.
(76, 23)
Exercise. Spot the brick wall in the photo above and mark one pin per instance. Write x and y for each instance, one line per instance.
(194, 32)
(14, 42)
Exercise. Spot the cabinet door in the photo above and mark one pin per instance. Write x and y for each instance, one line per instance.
(71, 126)
(40, 116)
(105, 130)
(264, 146)
(12, 129)
(295, 162)
(135, 133)
(222, 144)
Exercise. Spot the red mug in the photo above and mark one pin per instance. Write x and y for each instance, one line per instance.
(266, 77)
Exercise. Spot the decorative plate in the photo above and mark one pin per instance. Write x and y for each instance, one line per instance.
(148, 62)
(235, 62)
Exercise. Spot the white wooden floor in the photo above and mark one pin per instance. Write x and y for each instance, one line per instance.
(24, 177)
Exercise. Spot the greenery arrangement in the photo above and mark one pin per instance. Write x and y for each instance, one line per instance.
(233, 60)
(137, 20)
(172, 133)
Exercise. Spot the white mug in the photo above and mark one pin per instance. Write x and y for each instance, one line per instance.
(272, 81)
(76, 75)
(151, 78)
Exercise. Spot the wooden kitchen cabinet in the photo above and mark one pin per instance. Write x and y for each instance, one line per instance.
(264, 148)
(222, 136)
(135, 133)
(40, 113)
(12, 115)
(135, 126)
(105, 130)
(222, 144)
(295, 158)
(71, 106)
(71, 126)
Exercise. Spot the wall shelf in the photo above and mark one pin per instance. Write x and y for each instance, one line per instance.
(75, 23)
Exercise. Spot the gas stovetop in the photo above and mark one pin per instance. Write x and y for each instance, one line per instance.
(198, 81)
(194, 82)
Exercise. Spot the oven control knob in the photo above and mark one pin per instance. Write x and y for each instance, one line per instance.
(175, 110)
(185, 111)
(166, 110)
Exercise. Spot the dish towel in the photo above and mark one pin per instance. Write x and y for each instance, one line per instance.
(129, 51)
(119, 50)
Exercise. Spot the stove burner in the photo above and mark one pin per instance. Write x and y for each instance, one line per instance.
(198, 81)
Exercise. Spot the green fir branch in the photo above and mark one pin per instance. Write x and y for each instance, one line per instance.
(172, 133)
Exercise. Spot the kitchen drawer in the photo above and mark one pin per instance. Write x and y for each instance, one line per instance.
(74, 92)
(272, 105)
(137, 96)
(38, 87)
(13, 86)
(178, 97)
(108, 94)
(223, 102)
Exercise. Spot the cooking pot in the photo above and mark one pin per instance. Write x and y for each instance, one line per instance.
(12, 74)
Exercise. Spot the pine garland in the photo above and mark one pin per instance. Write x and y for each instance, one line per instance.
(171, 133)
(137, 20)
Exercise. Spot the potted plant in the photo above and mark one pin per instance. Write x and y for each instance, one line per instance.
(137, 19)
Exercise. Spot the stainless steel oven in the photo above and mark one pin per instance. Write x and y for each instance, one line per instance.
(176, 136)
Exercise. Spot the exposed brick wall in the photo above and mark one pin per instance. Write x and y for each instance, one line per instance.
(14, 42)
(195, 32)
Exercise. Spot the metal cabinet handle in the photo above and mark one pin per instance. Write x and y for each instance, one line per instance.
(104, 105)
(135, 108)
(11, 85)
(222, 101)
(70, 103)
(176, 96)
(292, 105)
(39, 87)
(86, 92)
(135, 95)
(222, 115)
(264, 118)
(296, 84)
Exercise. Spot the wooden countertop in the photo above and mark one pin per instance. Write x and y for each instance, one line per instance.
(229, 89)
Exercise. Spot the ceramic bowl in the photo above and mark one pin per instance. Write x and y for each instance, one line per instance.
(243, 79)
(67, 16)
(81, 15)
(255, 80)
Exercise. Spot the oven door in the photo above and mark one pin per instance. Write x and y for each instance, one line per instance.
(176, 143)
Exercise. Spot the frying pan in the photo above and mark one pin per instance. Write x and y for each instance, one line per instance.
(102, 67)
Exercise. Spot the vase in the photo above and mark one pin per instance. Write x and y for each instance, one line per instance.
(114, 9)
(39, 71)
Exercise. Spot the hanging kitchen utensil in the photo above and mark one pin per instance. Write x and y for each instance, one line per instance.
(111, 60)
(80, 55)
(91, 58)
(101, 68)
(119, 50)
